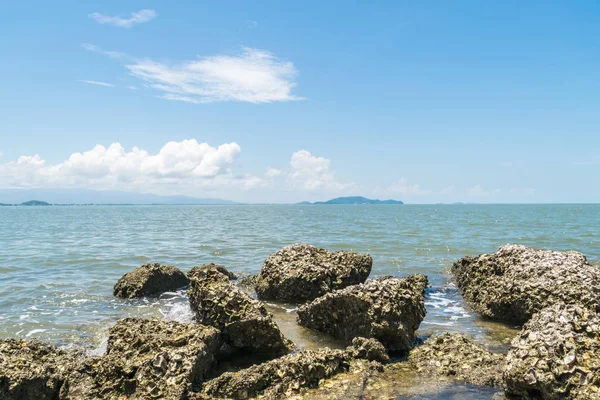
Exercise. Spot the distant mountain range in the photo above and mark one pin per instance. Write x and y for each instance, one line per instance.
(88, 196)
(354, 200)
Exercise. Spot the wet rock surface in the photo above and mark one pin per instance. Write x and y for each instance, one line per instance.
(455, 356)
(516, 281)
(286, 375)
(150, 280)
(556, 356)
(146, 359)
(30, 369)
(301, 272)
(203, 268)
(387, 309)
(245, 322)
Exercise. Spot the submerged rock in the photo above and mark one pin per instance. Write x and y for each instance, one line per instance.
(245, 322)
(30, 369)
(150, 280)
(146, 359)
(301, 272)
(278, 378)
(220, 268)
(556, 355)
(387, 309)
(515, 282)
(455, 356)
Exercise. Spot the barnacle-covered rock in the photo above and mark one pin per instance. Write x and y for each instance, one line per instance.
(515, 282)
(455, 356)
(279, 377)
(150, 280)
(301, 272)
(556, 355)
(245, 322)
(387, 309)
(146, 359)
(30, 369)
(220, 268)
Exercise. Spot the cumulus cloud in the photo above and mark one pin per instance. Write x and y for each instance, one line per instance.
(273, 172)
(98, 83)
(405, 188)
(309, 172)
(138, 17)
(178, 165)
(254, 76)
(477, 191)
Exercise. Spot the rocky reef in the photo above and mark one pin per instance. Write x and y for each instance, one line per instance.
(146, 359)
(301, 272)
(387, 309)
(244, 322)
(203, 268)
(516, 281)
(556, 355)
(150, 280)
(453, 355)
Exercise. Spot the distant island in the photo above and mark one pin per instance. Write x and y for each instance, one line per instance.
(29, 203)
(354, 200)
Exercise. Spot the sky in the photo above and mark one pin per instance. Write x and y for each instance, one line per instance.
(270, 101)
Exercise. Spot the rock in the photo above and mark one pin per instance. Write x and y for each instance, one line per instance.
(556, 355)
(216, 267)
(30, 369)
(147, 359)
(368, 349)
(150, 280)
(277, 378)
(244, 321)
(455, 356)
(387, 309)
(301, 272)
(515, 282)
(248, 283)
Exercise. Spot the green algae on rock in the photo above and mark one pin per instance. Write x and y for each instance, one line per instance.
(301, 272)
(453, 355)
(245, 322)
(556, 355)
(150, 280)
(30, 369)
(285, 375)
(516, 281)
(387, 309)
(146, 359)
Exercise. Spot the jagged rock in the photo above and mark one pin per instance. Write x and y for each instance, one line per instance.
(387, 309)
(556, 355)
(368, 349)
(146, 359)
(150, 280)
(277, 378)
(301, 272)
(248, 283)
(216, 267)
(30, 369)
(244, 321)
(455, 356)
(515, 282)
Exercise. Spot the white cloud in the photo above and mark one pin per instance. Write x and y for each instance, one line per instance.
(312, 173)
(273, 172)
(405, 188)
(96, 49)
(255, 76)
(177, 167)
(138, 17)
(97, 83)
(448, 190)
(477, 191)
(132, 88)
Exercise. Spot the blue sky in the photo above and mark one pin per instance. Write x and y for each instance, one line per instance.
(493, 101)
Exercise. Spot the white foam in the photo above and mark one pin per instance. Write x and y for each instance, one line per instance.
(33, 332)
(181, 313)
(100, 350)
(437, 323)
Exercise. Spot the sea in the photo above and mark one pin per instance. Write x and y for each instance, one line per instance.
(58, 264)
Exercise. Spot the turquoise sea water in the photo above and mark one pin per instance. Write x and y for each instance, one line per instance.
(58, 265)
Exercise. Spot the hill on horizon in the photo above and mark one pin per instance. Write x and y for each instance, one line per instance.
(89, 196)
(354, 200)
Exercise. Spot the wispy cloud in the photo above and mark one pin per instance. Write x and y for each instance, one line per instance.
(405, 188)
(254, 76)
(138, 17)
(594, 161)
(96, 49)
(97, 83)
